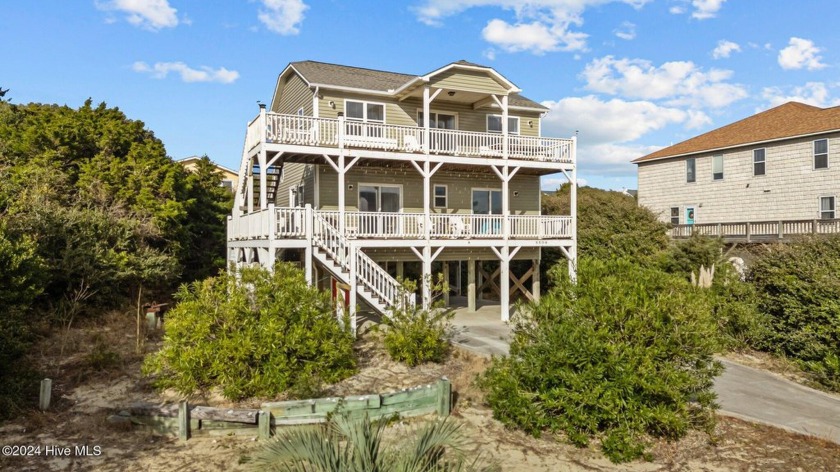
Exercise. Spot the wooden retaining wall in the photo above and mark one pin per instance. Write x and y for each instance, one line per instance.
(188, 420)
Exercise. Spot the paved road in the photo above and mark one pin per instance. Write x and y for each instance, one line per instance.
(743, 392)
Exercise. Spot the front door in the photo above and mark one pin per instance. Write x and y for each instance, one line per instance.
(689, 215)
(487, 202)
(382, 199)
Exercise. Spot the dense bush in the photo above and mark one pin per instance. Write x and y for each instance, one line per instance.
(415, 335)
(610, 225)
(686, 256)
(21, 280)
(627, 352)
(741, 324)
(254, 333)
(798, 286)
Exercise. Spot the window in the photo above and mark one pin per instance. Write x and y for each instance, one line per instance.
(821, 154)
(296, 196)
(717, 167)
(300, 111)
(690, 170)
(494, 124)
(758, 162)
(228, 184)
(827, 208)
(438, 120)
(365, 112)
(440, 196)
(675, 215)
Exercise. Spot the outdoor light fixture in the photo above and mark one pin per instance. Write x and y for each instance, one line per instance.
(451, 93)
(350, 187)
(332, 104)
(530, 123)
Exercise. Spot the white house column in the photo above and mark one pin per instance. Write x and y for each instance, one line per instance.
(504, 283)
(261, 159)
(250, 185)
(573, 205)
(353, 290)
(535, 279)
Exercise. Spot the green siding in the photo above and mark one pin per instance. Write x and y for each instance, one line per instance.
(404, 113)
(459, 189)
(293, 96)
(295, 174)
(469, 81)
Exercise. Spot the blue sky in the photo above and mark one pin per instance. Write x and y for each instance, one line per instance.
(630, 75)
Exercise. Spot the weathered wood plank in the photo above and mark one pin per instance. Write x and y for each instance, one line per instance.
(196, 412)
(444, 397)
(426, 391)
(264, 424)
(183, 421)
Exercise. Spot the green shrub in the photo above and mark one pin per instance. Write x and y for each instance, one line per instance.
(686, 256)
(610, 225)
(21, 281)
(414, 335)
(798, 285)
(625, 353)
(740, 323)
(264, 334)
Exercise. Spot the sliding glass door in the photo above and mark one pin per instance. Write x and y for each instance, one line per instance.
(378, 199)
(487, 202)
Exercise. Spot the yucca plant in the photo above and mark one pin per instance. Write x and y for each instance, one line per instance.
(348, 444)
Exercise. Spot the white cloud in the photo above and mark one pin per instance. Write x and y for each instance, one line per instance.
(538, 26)
(680, 82)
(812, 93)
(725, 48)
(149, 14)
(601, 122)
(282, 16)
(627, 31)
(705, 9)
(800, 54)
(203, 74)
(676, 10)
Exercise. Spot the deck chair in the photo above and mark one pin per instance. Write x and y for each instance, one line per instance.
(457, 228)
(410, 143)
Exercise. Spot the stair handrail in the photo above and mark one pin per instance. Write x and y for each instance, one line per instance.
(368, 272)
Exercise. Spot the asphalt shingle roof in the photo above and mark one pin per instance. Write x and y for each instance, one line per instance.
(784, 121)
(382, 81)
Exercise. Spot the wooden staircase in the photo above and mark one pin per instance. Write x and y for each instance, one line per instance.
(272, 178)
(373, 283)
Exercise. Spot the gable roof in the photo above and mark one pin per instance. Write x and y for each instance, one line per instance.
(328, 75)
(790, 120)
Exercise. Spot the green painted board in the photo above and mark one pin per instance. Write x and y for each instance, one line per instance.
(408, 395)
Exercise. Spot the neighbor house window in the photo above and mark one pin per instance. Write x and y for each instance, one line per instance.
(717, 167)
(690, 167)
(758, 162)
(675, 215)
(827, 208)
(440, 196)
(821, 154)
(494, 124)
(228, 184)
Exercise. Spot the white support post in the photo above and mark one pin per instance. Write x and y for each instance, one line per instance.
(573, 205)
(427, 201)
(400, 270)
(505, 130)
(261, 157)
(353, 291)
(307, 225)
(504, 283)
(426, 102)
(341, 190)
(315, 108)
(272, 235)
(535, 280)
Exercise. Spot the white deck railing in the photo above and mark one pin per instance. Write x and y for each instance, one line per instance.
(343, 133)
(758, 230)
(291, 223)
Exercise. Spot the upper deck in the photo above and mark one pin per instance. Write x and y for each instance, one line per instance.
(274, 130)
